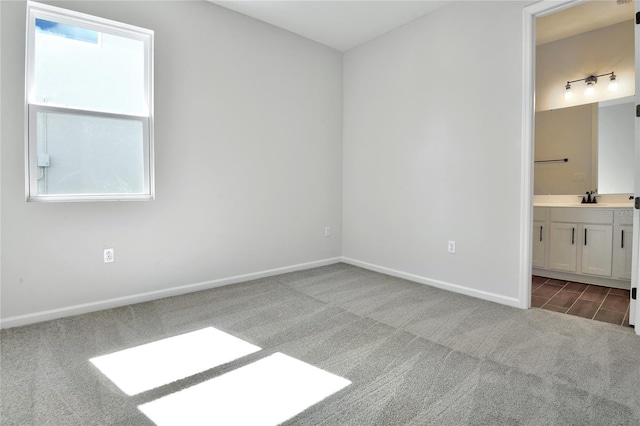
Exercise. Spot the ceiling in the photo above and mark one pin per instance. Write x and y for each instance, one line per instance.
(341, 24)
(588, 16)
(344, 24)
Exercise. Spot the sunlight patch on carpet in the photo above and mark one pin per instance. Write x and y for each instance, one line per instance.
(164, 361)
(266, 392)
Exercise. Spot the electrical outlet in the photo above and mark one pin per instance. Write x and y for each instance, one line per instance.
(108, 255)
(451, 246)
(327, 231)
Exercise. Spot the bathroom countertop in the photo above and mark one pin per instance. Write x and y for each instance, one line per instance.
(628, 205)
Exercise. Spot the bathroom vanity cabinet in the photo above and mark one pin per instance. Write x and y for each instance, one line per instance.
(583, 244)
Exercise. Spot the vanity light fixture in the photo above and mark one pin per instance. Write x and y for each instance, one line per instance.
(591, 84)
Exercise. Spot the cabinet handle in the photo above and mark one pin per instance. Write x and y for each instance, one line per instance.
(622, 239)
(573, 236)
(541, 233)
(585, 236)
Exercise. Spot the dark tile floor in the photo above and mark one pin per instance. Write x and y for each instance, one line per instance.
(583, 300)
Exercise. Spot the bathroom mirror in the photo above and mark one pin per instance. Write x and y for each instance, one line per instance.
(598, 142)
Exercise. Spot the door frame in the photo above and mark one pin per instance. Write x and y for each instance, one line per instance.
(530, 13)
(635, 252)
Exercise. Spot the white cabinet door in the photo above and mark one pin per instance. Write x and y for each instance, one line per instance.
(622, 251)
(562, 246)
(539, 241)
(597, 249)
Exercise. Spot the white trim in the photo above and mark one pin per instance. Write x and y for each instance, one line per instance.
(484, 295)
(84, 308)
(634, 311)
(530, 13)
(547, 7)
(526, 156)
(585, 279)
(86, 21)
(29, 76)
(101, 25)
(1, 155)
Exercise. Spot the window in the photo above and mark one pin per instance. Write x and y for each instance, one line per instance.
(89, 108)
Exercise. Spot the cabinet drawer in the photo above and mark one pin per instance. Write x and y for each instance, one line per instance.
(539, 214)
(582, 215)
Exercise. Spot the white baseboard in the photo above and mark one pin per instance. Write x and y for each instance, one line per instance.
(84, 308)
(484, 295)
(579, 278)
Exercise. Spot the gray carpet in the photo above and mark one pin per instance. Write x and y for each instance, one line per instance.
(415, 355)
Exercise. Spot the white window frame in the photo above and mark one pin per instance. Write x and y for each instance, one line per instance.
(31, 108)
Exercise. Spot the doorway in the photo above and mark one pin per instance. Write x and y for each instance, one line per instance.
(531, 14)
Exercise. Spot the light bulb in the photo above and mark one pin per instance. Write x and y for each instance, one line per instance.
(568, 92)
(590, 90)
(613, 82)
(591, 85)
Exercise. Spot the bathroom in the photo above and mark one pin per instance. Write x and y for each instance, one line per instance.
(584, 161)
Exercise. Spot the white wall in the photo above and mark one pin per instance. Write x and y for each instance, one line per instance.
(432, 140)
(616, 137)
(595, 52)
(248, 123)
(248, 166)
